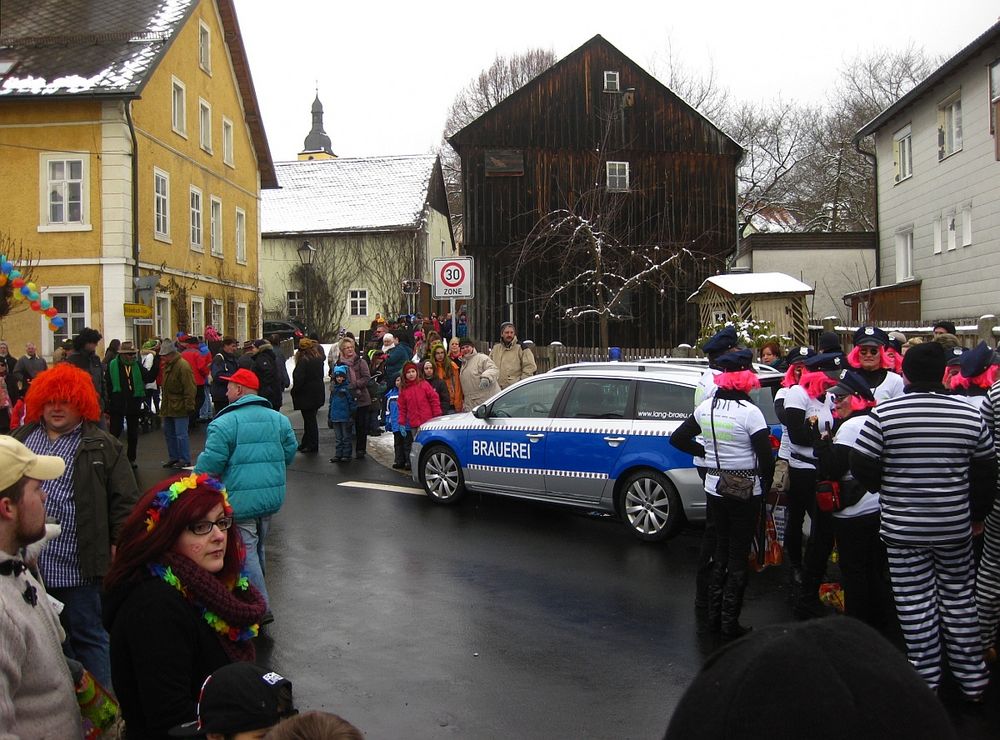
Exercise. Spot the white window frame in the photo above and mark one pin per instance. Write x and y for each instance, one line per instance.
(196, 219)
(205, 125)
(242, 322)
(295, 304)
(48, 343)
(967, 226)
(227, 142)
(241, 236)
(951, 226)
(44, 222)
(215, 226)
(950, 126)
(994, 93)
(196, 329)
(612, 81)
(218, 308)
(902, 151)
(162, 318)
(904, 255)
(358, 297)
(205, 47)
(161, 206)
(614, 171)
(178, 114)
(937, 235)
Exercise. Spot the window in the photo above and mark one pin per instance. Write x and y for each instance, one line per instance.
(205, 125)
(357, 302)
(163, 315)
(241, 236)
(598, 398)
(994, 94)
(178, 119)
(227, 141)
(65, 200)
(529, 401)
(950, 221)
(950, 126)
(72, 307)
(967, 226)
(904, 256)
(618, 176)
(204, 47)
(902, 153)
(216, 226)
(216, 317)
(937, 235)
(295, 304)
(611, 82)
(662, 401)
(161, 205)
(197, 217)
(242, 328)
(197, 326)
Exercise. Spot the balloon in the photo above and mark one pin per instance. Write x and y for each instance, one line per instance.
(25, 291)
(32, 295)
(3, 280)
(16, 295)
(51, 311)
(36, 306)
(32, 286)
(6, 266)
(46, 304)
(58, 321)
(15, 273)
(53, 327)
(18, 282)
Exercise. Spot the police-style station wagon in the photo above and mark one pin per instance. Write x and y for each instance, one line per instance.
(591, 437)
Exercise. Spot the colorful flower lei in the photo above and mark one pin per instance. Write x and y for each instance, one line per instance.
(164, 498)
(216, 622)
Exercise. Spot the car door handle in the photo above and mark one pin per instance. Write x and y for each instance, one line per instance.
(534, 437)
(614, 441)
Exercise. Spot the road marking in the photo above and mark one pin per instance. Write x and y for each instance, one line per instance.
(383, 487)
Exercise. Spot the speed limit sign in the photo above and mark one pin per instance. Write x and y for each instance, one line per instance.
(453, 278)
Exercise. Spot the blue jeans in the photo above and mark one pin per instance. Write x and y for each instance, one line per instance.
(205, 412)
(86, 640)
(254, 531)
(175, 429)
(344, 431)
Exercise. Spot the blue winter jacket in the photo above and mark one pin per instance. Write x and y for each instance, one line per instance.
(392, 411)
(249, 445)
(342, 403)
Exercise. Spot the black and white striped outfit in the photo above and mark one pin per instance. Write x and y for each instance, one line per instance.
(922, 452)
(988, 577)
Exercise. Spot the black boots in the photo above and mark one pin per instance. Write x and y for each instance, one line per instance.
(808, 605)
(732, 604)
(715, 590)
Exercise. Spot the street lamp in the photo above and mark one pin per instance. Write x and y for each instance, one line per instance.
(307, 253)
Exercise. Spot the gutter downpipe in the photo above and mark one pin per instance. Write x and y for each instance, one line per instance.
(135, 205)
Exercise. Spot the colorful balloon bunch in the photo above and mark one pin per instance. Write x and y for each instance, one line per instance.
(25, 291)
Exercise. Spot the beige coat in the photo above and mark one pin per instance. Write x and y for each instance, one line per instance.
(514, 362)
(475, 367)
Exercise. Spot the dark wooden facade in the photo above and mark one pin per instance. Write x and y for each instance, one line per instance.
(886, 304)
(545, 147)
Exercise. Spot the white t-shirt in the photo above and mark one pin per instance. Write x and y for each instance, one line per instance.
(735, 422)
(799, 456)
(783, 448)
(846, 435)
(705, 389)
(891, 387)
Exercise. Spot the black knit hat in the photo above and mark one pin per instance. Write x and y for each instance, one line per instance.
(826, 679)
(829, 341)
(924, 363)
(948, 326)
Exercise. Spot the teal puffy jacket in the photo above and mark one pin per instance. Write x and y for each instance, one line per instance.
(248, 446)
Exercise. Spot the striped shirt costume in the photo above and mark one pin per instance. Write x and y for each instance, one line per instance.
(988, 577)
(926, 444)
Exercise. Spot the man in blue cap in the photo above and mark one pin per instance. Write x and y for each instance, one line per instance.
(870, 360)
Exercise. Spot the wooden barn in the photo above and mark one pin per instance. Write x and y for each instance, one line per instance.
(764, 296)
(588, 174)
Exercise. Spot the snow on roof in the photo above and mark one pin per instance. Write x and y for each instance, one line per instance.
(754, 283)
(356, 194)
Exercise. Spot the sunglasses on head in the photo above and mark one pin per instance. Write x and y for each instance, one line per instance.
(204, 527)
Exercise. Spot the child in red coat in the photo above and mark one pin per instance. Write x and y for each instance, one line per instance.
(418, 401)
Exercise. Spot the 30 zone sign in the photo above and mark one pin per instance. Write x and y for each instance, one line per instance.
(453, 278)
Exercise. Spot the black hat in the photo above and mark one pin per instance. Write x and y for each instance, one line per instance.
(924, 363)
(948, 326)
(738, 359)
(826, 362)
(850, 383)
(239, 697)
(954, 355)
(871, 335)
(848, 682)
(977, 360)
(799, 354)
(722, 341)
(829, 341)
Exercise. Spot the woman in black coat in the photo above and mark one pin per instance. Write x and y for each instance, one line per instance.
(308, 393)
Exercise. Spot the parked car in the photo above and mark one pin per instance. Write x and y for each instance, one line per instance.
(590, 437)
(285, 329)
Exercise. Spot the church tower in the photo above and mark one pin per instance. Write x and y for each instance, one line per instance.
(317, 143)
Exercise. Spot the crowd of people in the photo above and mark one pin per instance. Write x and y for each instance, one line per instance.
(891, 449)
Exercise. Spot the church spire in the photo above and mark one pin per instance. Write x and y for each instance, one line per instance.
(317, 143)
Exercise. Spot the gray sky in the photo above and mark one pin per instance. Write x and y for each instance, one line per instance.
(388, 71)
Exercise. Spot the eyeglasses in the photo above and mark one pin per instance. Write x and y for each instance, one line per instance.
(205, 527)
(868, 350)
(840, 397)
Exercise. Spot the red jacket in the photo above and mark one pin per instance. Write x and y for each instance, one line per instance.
(418, 402)
(201, 364)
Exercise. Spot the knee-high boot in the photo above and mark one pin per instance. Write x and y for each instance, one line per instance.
(715, 596)
(732, 604)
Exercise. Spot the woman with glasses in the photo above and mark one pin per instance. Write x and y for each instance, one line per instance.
(178, 605)
(871, 359)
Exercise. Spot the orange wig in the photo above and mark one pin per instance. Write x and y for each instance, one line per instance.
(66, 383)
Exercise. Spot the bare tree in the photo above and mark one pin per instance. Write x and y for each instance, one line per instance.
(703, 92)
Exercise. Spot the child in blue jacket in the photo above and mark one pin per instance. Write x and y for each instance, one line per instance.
(401, 439)
(342, 405)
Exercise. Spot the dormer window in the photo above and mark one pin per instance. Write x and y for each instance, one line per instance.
(611, 82)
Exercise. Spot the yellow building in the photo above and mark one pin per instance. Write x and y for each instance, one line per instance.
(132, 156)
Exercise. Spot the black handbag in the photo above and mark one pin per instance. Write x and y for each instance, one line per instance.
(732, 485)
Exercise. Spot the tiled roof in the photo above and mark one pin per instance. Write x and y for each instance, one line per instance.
(338, 195)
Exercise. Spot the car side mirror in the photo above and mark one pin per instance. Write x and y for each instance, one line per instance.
(481, 412)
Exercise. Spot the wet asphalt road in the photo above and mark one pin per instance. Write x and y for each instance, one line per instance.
(494, 618)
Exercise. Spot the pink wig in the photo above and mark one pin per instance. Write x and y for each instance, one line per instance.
(885, 361)
(816, 383)
(857, 404)
(895, 358)
(791, 376)
(740, 380)
(983, 380)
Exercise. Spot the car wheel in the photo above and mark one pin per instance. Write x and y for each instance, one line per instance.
(441, 475)
(650, 506)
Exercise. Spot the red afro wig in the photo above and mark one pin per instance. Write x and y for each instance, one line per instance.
(66, 383)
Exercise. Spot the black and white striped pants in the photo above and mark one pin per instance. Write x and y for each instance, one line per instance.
(988, 581)
(933, 587)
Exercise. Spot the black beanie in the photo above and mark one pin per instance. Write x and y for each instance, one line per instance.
(925, 363)
(826, 679)
(829, 341)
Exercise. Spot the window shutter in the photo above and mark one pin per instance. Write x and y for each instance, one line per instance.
(941, 141)
(996, 135)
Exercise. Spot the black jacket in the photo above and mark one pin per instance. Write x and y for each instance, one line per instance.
(223, 364)
(308, 390)
(265, 366)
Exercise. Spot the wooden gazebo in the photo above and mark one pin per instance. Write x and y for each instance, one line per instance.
(764, 296)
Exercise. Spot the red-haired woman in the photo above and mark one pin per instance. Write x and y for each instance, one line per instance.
(178, 606)
(447, 370)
